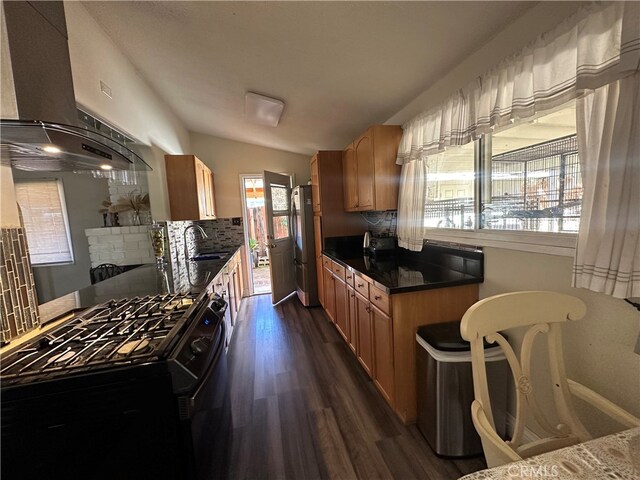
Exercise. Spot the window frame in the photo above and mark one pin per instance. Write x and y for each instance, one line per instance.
(553, 243)
(65, 219)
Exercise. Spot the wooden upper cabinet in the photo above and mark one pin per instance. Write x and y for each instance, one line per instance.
(190, 186)
(326, 173)
(371, 176)
(315, 184)
(363, 148)
(350, 179)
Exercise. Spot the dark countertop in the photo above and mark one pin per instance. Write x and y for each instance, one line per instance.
(400, 270)
(141, 281)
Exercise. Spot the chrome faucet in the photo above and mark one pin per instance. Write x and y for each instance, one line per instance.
(187, 260)
(184, 239)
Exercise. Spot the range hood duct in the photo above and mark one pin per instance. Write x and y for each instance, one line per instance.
(40, 127)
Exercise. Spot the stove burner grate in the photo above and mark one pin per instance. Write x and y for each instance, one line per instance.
(115, 332)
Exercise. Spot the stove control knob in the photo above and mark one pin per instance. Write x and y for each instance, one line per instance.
(198, 346)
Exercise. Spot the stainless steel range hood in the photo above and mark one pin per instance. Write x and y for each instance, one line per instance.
(40, 127)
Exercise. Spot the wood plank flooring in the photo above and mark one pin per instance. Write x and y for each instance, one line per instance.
(303, 407)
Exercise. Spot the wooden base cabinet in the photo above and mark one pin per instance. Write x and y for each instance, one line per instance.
(381, 328)
(329, 294)
(353, 319)
(342, 308)
(383, 370)
(364, 345)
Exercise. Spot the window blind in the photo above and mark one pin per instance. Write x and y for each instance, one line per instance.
(45, 221)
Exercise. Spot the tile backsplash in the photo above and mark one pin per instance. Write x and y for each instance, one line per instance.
(222, 235)
(382, 224)
(18, 300)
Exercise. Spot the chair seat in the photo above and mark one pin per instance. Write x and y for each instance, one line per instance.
(104, 271)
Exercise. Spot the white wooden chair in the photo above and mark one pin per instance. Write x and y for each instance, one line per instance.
(544, 313)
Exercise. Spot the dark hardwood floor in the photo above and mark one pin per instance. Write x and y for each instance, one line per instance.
(303, 408)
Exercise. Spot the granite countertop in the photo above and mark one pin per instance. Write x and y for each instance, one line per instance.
(141, 281)
(400, 270)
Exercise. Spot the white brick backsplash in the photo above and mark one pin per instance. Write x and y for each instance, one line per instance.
(131, 245)
(137, 237)
(97, 231)
(148, 260)
(111, 239)
(92, 239)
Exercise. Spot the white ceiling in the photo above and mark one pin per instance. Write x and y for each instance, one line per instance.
(339, 66)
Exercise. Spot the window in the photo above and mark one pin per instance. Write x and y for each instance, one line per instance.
(45, 221)
(535, 181)
(450, 189)
(280, 205)
(527, 178)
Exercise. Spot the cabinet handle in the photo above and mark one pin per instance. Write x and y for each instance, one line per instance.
(368, 310)
(348, 277)
(377, 297)
(353, 295)
(360, 285)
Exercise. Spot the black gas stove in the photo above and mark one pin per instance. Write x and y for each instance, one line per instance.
(129, 388)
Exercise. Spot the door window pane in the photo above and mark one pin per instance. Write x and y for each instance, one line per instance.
(279, 198)
(450, 189)
(280, 227)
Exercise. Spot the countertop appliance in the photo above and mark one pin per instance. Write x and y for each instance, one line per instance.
(381, 246)
(132, 388)
(304, 245)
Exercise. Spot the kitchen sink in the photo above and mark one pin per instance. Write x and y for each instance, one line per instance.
(210, 256)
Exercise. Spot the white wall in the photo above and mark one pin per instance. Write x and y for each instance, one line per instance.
(599, 348)
(227, 159)
(135, 107)
(539, 19)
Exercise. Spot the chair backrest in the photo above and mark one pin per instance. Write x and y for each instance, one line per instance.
(104, 271)
(543, 313)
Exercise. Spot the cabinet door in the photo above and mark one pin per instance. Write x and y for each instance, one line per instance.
(350, 179)
(353, 320)
(383, 352)
(315, 184)
(235, 277)
(342, 308)
(329, 294)
(365, 167)
(364, 342)
(202, 182)
(320, 275)
(211, 196)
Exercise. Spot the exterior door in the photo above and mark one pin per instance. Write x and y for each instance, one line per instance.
(277, 201)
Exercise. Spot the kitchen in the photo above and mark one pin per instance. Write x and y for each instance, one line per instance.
(610, 328)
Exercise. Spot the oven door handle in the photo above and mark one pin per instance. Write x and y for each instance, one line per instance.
(214, 363)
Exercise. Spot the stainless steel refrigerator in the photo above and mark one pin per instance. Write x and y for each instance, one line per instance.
(303, 245)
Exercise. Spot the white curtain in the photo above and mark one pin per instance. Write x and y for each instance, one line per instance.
(608, 251)
(597, 45)
(411, 205)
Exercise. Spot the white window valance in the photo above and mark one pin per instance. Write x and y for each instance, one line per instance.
(596, 46)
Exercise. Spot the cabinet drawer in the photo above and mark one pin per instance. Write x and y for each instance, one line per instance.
(379, 298)
(349, 277)
(328, 264)
(361, 286)
(338, 270)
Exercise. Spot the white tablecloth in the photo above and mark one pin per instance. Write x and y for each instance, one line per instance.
(614, 457)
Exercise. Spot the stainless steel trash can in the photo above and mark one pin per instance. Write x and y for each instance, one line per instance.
(445, 389)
